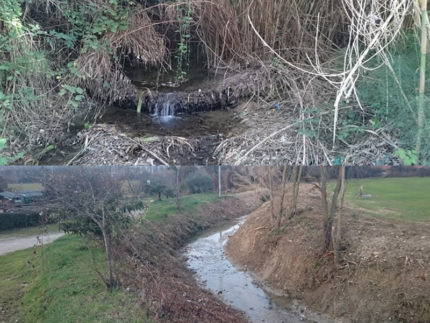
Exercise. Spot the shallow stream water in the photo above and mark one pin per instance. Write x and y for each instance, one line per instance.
(165, 120)
(207, 258)
(221, 122)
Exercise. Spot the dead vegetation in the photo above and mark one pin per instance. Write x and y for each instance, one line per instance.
(295, 64)
(105, 145)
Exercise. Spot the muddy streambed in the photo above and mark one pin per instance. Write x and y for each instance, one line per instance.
(194, 115)
(207, 258)
(171, 109)
(219, 123)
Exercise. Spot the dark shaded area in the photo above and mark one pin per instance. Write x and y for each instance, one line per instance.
(19, 220)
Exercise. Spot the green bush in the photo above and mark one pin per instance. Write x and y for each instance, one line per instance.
(390, 97)
(199, 183)
(14, 220)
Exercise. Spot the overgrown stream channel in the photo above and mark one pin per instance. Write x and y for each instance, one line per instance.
(192, 109)
(207, 258)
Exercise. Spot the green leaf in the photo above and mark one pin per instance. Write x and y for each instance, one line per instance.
(79, 90)
(149, 139)
(4, 161)
(338, 161)
(74, 104)
(408, 157)
(71, 89)
(3, 142)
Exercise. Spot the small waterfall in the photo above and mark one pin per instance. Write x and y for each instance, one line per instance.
(166, 106)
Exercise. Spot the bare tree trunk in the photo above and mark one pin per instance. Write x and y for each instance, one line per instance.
(323, 188)
(110, 281)
(329, 212)
(332, 213)
(422, 86)
(272, 206)
(178, 190)
(338, 236)
(297, 175)
(324, 200)
(284, 191)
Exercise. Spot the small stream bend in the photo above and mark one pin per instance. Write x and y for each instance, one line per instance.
(207, 258)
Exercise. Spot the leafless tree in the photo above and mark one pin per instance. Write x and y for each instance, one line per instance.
(178, 189)
(337, 230)
(296, 178)
(271, 189)
(92, 202)
(332, 236)
(283, 194)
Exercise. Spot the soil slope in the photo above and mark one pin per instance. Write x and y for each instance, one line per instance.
(384, 275)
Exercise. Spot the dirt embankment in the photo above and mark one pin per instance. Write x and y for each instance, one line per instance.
(384, 275)
(157, 272)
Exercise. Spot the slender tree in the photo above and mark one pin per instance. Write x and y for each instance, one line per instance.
(330, 208)
(422, 85)
(272, 196)
(92, 203)
(284, 191)
(178, 189)
(296, 179)
(337, 236)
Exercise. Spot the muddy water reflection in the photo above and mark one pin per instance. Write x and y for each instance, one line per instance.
(206, 256)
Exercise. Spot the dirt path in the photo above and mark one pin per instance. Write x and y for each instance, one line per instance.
(10, 243)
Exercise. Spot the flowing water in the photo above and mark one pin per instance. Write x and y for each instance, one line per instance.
(166, 106)
(207, 258)
(168, 115)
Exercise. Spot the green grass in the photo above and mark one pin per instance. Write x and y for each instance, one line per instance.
(15, 272)
(26, 187)
(400, 198)
(61, 285)
(30, 231)
(159, 210)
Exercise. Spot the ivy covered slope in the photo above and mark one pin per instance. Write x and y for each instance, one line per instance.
(61, 58)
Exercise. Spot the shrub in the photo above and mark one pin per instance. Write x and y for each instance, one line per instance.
(14, 220)
(199, 183)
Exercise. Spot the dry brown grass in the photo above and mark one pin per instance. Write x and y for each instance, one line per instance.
(287, 26)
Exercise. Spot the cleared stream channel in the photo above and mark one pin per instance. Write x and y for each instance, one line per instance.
(207, 258)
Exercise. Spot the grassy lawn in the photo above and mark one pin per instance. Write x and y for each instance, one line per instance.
(159, 210)
(61, 285)
(28, 232)
(400, 198)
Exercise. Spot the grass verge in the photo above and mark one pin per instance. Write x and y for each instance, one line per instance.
(159, 210)
(399, 198)
(60, 285)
